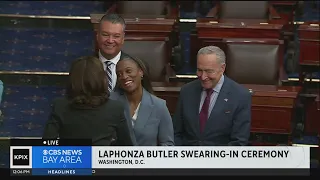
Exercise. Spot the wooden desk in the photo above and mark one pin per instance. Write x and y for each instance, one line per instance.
(309, 38)
(259, 9)
(311, 101)
(165, 8)
(150, 26)
(272, 108)
(208, 28)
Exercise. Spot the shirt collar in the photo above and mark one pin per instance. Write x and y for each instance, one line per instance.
(113, 60)
(218, 86)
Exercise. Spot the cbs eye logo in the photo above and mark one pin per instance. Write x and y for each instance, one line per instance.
(21, 157)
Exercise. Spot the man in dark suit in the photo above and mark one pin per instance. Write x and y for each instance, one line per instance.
(110, 39)
(212, 110)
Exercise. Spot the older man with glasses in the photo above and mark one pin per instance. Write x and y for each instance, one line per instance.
(212, 110)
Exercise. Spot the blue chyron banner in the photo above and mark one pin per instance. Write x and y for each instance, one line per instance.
(67, 158)
(50, 157)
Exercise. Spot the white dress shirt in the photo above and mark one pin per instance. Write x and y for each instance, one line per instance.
(135, 116)
(214, 96)
(114, 61)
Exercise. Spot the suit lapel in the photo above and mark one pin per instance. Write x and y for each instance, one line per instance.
(221, 102)
(144, 112)
(195, 111)
(125, 102)
(122, 98)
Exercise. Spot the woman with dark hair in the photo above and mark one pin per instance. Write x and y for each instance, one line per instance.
(87, 112)
(148, 114)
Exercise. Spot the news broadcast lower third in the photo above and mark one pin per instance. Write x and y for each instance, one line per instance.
(38, 157)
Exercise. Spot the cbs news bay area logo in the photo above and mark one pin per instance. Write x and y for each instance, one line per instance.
(51, 157)
(66, 156)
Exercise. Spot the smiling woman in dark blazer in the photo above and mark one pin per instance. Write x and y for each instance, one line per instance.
(149, 116)
(87, 112)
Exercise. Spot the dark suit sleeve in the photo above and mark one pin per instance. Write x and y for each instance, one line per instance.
(178, 122)
(166, 133)
(51, 130)
(123, 132)
(242, 122)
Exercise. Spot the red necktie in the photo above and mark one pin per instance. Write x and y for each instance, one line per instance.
(204, 114)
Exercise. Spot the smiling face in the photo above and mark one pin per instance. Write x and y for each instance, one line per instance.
(209, 70)
(110, 38)
(129, 75)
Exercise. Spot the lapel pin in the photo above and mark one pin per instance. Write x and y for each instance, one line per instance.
(225, 100)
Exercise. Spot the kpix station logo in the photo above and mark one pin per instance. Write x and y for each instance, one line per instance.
(21, 157)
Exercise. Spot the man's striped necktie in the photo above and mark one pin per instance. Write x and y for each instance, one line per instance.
(109, 75)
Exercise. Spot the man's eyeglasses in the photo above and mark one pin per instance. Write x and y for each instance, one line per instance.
(207, 71)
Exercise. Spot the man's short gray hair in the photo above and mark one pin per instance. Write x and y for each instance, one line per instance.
(114, 19)
(221, 57)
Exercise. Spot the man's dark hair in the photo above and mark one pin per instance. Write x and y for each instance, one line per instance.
(114, 19)
(87, 87)
(146, 83)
